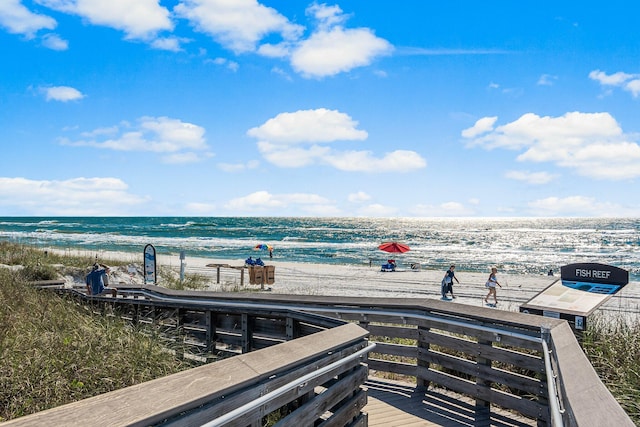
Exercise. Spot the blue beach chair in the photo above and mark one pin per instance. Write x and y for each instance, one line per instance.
(389, 266)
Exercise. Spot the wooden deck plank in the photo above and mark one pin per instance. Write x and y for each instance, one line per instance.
(397, 404)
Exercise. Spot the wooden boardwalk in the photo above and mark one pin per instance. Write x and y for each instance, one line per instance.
(396, 404)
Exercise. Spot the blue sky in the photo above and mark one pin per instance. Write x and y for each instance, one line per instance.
(290, 108)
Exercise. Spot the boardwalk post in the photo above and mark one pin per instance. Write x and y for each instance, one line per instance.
(290, 328)
(211, 330)
(423, 348)
(247, 333)
(483, 408)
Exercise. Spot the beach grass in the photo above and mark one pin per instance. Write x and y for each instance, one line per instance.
(613, 348)
(190, 281)
(55, 351)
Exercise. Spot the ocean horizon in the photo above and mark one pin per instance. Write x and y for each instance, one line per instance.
(514, 245)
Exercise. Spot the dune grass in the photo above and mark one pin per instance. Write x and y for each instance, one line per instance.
(55, 351)
(613, 348)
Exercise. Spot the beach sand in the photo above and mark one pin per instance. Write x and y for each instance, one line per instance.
(359, 280)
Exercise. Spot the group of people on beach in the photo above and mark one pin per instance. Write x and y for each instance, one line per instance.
(450, 276)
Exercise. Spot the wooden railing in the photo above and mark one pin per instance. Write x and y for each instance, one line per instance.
(494, 356)
(300, 368)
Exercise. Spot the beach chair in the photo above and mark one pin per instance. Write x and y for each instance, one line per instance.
(389, 266)
(259, 262)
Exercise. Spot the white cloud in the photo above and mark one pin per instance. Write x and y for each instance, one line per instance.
(111, 130)
(185, 142)
(293, 157)
(359, 197)
(481, 126)
(17, 19)
(364, 161)
(238, 25)
(172, 44)
(77, 196)
(633, 86)
(241, 26)
(263, 201)
(62, 93)
(530, 177)
(231, 65)
(141, 19)
(54, 42)
(303, 126)
(282, 139)
(547, 80)
(337, 50)
(593, 144)
(615, 79)
(628, 82)
(326, 16)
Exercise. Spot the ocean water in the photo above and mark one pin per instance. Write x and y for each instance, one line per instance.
(514, 245)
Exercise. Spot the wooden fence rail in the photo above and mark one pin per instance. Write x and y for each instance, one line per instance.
(301, 345)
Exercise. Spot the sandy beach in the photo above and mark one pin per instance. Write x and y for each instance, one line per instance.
(359, 280)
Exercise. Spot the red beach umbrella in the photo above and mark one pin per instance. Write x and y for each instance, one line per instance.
(394, 247)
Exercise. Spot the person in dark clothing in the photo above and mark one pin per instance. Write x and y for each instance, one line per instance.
(95, 281)
(447, 282)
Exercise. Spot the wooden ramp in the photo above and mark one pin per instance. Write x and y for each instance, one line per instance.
(396, 404)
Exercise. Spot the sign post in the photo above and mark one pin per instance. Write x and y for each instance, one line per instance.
(182, 257)
(150, 276)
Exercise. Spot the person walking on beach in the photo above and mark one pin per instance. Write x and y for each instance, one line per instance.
(447, 282)
(491, 285)
(95, 281)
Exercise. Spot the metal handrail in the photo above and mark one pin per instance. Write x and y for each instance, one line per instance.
(256, 403)
(552, 391)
